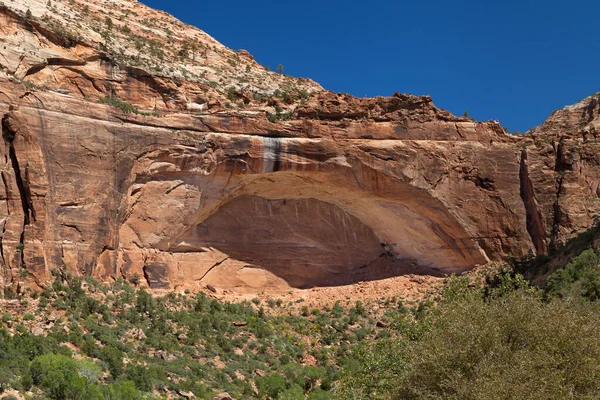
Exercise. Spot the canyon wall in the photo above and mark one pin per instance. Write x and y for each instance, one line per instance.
(238, 201)
(178, 184)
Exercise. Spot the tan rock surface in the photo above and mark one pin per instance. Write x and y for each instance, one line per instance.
(340, 190)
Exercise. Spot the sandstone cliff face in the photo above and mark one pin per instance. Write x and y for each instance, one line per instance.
(189, 197)
(127, 51)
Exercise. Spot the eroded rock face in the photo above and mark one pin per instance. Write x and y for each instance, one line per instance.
(235, 203)
(340, 190)
(124, 50)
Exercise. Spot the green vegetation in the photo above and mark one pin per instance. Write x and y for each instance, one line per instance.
(289, 95)
(466, 114)
(280, 116)
(482, 337)
(66, 37)
(512, 346)
(232, 94)
(188, 50)
(122, 105)
(580, 278)
(505, 339)
(124, 343)
(109, 23)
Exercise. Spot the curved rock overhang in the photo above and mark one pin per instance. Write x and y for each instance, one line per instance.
(296, 209)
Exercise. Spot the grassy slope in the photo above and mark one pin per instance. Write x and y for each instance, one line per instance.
(496, 337)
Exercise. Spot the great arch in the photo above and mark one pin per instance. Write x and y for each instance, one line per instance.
(261, 211)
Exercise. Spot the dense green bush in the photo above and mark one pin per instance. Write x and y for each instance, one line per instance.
(271, 385)
(373, 370)
(140, 376)
(580, 278)
(515, 346)
(113, 357)
(58, 375)
(120, 104)
(485, 343)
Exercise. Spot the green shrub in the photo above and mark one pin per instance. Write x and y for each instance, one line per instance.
(123, 390)
(58, 376)
(515, 346)
(109, 23)
(372, 369)
(232, 94)
(271, 385)
(280, 116)
(127, 108)
(580, 277)
(139, 375)
(113, 357)
(320, 395)
(293, 393)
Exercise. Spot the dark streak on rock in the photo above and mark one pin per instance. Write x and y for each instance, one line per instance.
(22, 184)
(535, 226)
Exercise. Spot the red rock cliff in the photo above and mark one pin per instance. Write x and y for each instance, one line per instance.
(241, 185)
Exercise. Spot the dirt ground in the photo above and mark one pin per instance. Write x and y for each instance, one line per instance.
(384, 279)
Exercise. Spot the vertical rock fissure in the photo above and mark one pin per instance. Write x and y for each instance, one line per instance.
(146, 276)
(6, 191)
(557, 214)
(560, 166)
(534, 222)
(21, 249)
(22, 184)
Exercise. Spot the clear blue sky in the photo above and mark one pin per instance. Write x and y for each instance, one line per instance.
(514, 61)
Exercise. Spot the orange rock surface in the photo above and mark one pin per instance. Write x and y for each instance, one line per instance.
(261, 181)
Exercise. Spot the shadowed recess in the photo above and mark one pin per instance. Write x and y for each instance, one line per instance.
(306, 242)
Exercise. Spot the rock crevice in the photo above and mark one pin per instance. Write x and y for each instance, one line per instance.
(535, 226)
(20, 177)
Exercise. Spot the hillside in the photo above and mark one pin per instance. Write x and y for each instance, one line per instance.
(177, 221)
(123, 49)
(482, 336)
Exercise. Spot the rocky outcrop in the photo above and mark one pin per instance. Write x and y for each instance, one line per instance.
(236, 201)
(323, 189)
(125, 51)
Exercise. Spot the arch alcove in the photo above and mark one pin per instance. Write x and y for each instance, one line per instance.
(255, 221)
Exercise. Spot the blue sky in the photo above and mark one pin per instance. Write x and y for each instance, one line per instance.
(513, 61)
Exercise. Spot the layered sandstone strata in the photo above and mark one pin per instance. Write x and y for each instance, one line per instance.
(331, 190)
